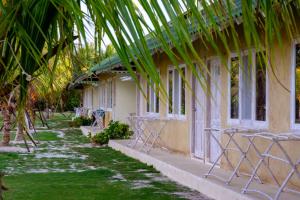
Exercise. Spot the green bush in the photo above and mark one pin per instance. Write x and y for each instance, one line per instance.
(81, 121)
(115, 130)
(71, 99)
(100, 138)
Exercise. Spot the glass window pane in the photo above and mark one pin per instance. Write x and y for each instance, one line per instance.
(170, 91)
(99, 93)
(157, 101)
(102, 95)
(297, 84)
(148, 97)
(234, 88)
(182, 105)
(246, 88)
(260, 110)
(109, 94)
(176, 92)
(152, 98)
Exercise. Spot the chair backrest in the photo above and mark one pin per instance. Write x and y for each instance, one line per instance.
(99, 113)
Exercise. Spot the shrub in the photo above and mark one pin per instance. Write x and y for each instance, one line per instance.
(81, 121)
(100, 138)
(115, 130)
(71, 99)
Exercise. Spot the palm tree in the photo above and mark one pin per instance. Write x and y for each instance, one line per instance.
(6, 113)
(33, 32)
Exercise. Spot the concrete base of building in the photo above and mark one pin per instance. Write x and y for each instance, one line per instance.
(189, 172)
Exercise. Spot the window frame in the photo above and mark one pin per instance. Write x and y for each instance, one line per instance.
(232, 121)
(293, 125)
(90, 98)
(109, 81)
(176, 116)
(149, 113)
(102, 95)
(259, 123)
(253, 121)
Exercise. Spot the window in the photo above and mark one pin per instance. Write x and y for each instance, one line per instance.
(85, 100)
(170, 90)
(106, 94)
(152, 98)
(297, 84)
(176, 90)
(109, 95)
(248, 87)
(260, 84)
(102, 95)
(234, 88)
(89, 98)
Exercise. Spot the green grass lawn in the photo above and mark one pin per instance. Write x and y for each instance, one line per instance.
(65, 166)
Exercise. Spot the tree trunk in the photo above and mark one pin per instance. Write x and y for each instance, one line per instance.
(20, 131)
(47, 112)
(6, 125)
(30, 109)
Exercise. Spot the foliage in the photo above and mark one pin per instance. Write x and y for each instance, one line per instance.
(36, 34)
(87, 56)
(81, 121)
(40, 104)
(52, 81)
(115, 130)
(100, 138)
(71, 100)
(41, 30)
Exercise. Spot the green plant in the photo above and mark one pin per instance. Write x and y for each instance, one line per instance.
(115, 130)
(71, 99)
(100, 138)
(81, 121)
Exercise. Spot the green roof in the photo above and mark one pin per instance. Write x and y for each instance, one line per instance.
(81, 80)
(154, 44)
(107, 64)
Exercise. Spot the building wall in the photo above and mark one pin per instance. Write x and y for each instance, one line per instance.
(177, 136)
(125, 99)
(278, 114)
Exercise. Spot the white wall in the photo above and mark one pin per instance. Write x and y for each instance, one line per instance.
(96, 98)
(125, 99)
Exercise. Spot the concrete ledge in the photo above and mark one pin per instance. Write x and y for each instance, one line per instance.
(183, 176)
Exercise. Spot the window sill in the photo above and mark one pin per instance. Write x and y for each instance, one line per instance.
(233, 122)
(152, 114)
(248, 124)
(177, 117)
(295, 127)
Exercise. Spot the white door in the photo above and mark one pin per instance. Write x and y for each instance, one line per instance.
(215, 108)
(199, 118)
